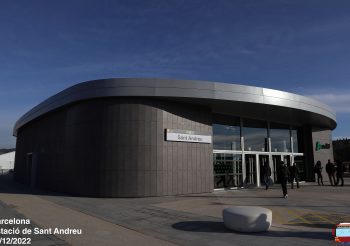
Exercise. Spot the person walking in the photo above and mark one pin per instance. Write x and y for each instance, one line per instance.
(318, 170)
(340, 173)
(330, 169)
(283, 177)
(294, 174)
(266, 174)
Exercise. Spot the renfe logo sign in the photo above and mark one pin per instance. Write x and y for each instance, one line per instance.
(320, 146)
(186, 136)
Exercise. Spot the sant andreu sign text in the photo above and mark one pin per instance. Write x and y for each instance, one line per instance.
(187, 136)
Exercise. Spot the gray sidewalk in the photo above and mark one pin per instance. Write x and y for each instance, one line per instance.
(7, 212)
(305, 218)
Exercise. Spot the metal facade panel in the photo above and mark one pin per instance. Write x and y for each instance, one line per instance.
(200, 92)
(114, 147)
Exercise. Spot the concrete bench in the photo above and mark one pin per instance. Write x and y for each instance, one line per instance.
(247, 218)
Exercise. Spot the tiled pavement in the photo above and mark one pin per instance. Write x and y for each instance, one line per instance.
(7, 212)
(305, 218)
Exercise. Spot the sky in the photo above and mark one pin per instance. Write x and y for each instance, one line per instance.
(299, 46)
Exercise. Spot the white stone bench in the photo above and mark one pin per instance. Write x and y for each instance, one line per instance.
(247, 218)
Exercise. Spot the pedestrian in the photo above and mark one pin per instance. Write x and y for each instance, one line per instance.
(283, 177)
(221, 180)
(294, 174)
(318, 170)
(267, 175)
(330, 169)
(229, 178)
(340, 173)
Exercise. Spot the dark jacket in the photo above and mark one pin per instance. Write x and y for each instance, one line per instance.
(294, 171)
(318, 168)
(330, 168)
(340, 168)
(284, 173)
(266, 170)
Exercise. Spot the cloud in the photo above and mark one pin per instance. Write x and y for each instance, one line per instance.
(339, 101)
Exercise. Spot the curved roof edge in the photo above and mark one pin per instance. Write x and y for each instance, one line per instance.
(178, 89)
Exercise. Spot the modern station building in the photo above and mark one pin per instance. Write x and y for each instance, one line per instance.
(155, 137)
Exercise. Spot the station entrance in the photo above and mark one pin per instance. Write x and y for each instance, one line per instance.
(242, 170)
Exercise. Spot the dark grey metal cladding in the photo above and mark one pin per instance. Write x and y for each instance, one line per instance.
(221, 97)
(114, 147)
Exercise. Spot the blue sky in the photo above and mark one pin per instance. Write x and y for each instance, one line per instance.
(300, 46)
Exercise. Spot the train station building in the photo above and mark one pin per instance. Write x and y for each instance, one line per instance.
(139, 137)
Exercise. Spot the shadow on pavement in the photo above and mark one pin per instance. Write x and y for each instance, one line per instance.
(315, 225)
(232, 196)
(201, 226)
(9, 186)
(219, 227)
(284, 205)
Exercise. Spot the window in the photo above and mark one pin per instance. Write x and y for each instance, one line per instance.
(280, 138)
(226, 137)
(296, 139)
(255, 136)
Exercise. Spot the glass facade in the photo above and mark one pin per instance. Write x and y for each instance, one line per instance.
(255, 136)
(226, 137)
(250, 170)
(280, 139)
(295, 141)
(227, 170)
(236, 167)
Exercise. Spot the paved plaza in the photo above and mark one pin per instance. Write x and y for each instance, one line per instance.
(306, 217)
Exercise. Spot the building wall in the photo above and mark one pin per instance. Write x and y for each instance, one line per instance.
(114, 147)
(307, 149)
(323, 137)
(7, 161)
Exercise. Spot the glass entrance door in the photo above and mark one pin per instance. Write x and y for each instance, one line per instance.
(263, 159)
(237, 173)
(299, 160)
(276, 159)
(231, 170)
(250, 168)
(287, 160)
(227, 170)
